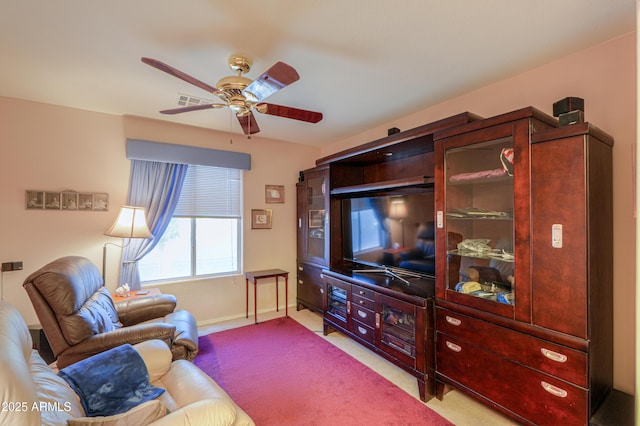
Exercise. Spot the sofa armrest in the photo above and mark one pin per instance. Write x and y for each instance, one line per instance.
(104, 341)
(203, 412)
(140, 309)
(156, 356)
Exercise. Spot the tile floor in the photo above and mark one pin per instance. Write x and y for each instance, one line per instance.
(456, 406)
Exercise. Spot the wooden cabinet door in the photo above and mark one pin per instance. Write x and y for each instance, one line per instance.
(560, 243)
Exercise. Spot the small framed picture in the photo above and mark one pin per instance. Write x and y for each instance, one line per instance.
(69, 201)
(261, 219)
(34, 200)
(85, 201)
(316, 218)
(52, 200)
(274, 193)
(100, 202)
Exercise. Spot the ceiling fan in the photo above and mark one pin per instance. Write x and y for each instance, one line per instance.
(242, 95)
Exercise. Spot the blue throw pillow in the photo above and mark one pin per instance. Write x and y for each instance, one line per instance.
(111, 382)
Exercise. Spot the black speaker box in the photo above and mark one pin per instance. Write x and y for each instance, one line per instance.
(567, 105)
(572, 117)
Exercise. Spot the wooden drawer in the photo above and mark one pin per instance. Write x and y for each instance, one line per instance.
(551, 358)
(361, 301)
(310, 273)
(363, 292)
(536, 396)
(362, 331)
(364, 315)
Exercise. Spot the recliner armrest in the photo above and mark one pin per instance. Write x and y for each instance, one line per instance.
(140, 309)
(108, 340)
(414, 253)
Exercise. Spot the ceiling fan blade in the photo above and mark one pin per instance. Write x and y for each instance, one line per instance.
(275, 78)
(191, 108)
(289, 112)
(181, 75)
(248, 123)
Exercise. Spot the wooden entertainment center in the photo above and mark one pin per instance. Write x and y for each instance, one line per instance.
(519, 311)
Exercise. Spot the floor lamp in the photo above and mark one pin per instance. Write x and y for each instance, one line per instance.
(398, 211)
(131, 223)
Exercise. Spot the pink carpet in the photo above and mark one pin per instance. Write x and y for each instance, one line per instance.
(281, 373)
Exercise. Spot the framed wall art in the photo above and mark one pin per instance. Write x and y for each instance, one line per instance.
(274, 193)
(261, 219)
(66, 200)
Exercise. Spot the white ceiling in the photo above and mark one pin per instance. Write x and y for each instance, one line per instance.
(361, 62)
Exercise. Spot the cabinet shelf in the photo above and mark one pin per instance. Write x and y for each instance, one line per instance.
(471, 254)
(417, 181)
(486, 176)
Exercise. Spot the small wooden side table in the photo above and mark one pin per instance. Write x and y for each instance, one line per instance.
(134, 293)
(268, 273)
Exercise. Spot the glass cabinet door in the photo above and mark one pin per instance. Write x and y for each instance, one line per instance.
(396, 325)
(338, 304)
(316, 209)
(479, 208)
(398, 330)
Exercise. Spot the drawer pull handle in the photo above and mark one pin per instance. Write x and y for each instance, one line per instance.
(553, 356)
(361, 292)
(377, 320)
(300, 282)
(554, 390)
(453, 321)
(300, 268)
(362, 302)
(349, 307)
(454, 347)
(362, 314)
(362, 330)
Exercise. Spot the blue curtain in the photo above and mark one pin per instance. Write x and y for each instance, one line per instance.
(380, 210)
(156, 187)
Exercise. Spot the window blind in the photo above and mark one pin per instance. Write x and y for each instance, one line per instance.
(211, 192)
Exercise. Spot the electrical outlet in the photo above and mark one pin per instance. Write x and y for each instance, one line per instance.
(12, 266)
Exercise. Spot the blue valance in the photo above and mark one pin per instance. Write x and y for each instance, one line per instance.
(138, 149)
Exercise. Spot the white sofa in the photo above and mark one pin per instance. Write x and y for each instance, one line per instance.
(31, 393)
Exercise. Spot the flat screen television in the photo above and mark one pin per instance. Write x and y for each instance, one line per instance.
(394, 231)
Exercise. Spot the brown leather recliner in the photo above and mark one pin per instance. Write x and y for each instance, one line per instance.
(80, 319)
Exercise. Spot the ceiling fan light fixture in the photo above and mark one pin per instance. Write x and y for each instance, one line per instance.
(251, 97)
(233, 82)
(240, 63)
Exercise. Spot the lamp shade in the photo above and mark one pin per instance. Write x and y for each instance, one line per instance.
(131, 223)
(398, 209)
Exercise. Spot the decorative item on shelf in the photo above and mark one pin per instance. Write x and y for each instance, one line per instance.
(506, 158)
(261, 219)
(131, 223)
(316, 218)
(274, 193)
(66, 200)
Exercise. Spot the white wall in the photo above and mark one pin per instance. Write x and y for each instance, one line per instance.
(46, 147)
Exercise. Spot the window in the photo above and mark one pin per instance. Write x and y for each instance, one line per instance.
(203, 237)
(366, 227)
